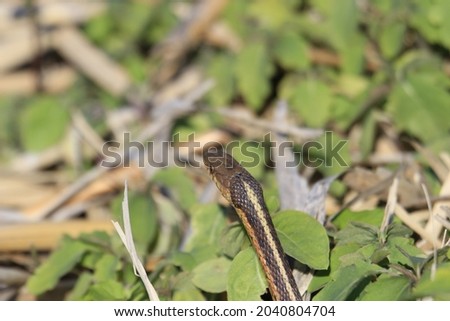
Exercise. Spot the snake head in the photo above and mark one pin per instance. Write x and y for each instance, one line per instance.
(221, 167)
(217, 160)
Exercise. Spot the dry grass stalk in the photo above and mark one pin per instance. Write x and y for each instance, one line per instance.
(390, 206)
(127, 240)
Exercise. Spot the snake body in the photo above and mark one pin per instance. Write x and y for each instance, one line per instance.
(245, 194)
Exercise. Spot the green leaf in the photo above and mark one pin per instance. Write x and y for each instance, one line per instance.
(444, 29)
(180, 184)
(343, 112)
(136, 290)
(303, 238)
(345, 36)
(43, 123)
(219, 69)
(439, 287)
(397, 229)
(323, 277)
(211, 276)
(312, 102)
(110, 290)
(291, 51)
(387, 288)
(236, 12)
(407, 252)
(231, 240)
(128, 275)
(352, 86)
(189, 260)
(366, 253)
(84, 282)
(331, 153)
(346, 280)
(253, 72)
(430, 19)
(95, 241)
(372, 217)
(379, 254)
(246, 279)
(343, 22)
(272, 197)
(60, 262)
(207, 222)
(90, 259)
(171, 219)
(271, 13)
(388, 6)
(188, 294)
(352, 55)
(420, 107)
(186, 291)
(184, 260)
(106, 267)
(391, 38)
(359, 233)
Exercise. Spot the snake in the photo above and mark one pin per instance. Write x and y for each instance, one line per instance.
(245, 194)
